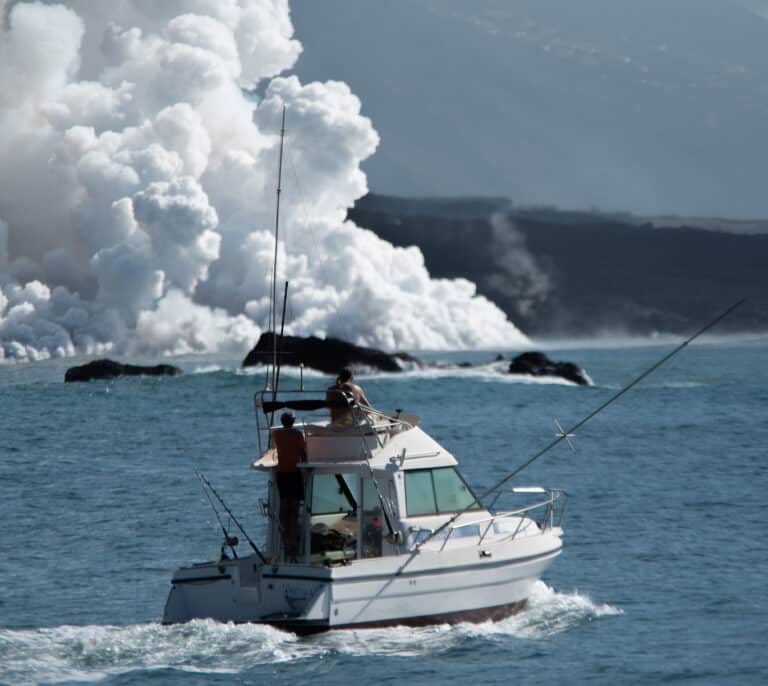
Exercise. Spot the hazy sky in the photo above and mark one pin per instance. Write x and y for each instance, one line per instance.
(654, 106)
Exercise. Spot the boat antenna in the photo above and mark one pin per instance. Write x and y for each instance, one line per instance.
(208, 485)
(273, 305)
(564, 435)
(279, 355)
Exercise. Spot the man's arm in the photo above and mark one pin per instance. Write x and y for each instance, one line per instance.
(362, 399)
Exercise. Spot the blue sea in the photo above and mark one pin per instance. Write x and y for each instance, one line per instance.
(662, 578)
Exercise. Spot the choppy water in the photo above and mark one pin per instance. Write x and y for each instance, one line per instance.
(662, 578)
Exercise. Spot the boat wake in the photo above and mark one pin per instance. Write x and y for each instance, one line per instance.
(548, 612)
(90, 653)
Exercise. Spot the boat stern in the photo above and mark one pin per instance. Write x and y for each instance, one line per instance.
(246, 590)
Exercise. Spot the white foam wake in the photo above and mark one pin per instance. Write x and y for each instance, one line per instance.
(551, 612)
(89, 653)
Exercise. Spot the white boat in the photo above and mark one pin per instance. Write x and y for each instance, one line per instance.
(390, 534)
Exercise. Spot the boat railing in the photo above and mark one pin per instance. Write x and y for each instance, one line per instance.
(551, 508)
(364, 420)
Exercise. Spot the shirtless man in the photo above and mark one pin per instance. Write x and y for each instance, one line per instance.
(344, 384)
(291, 449)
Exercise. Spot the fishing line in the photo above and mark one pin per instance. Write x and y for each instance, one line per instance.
(565, 434)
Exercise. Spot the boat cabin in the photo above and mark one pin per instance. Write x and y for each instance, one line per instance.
(373, 485)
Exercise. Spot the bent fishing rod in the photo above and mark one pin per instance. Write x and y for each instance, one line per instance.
(564, 435)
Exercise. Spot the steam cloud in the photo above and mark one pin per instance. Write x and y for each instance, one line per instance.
(517, 276)
(137, 191)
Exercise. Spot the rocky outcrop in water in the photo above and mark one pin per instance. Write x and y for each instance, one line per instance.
(109, 369)
(327, 355)
(538, 364)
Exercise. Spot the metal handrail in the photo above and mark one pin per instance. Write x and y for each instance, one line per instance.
(547, 521)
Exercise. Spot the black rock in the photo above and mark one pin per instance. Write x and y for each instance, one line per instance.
(327, 355)
(109, 369)
(538, 364)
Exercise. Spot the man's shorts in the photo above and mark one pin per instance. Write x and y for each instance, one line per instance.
(290, 485)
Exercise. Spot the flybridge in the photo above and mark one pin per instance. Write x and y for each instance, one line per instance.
(371, 437)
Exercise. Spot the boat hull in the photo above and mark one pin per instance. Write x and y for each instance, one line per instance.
(428, 587)
(476, 616)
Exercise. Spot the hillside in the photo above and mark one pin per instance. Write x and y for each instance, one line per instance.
(582, 273)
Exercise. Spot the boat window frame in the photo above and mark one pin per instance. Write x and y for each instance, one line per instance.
(351, 497)
(476, 504)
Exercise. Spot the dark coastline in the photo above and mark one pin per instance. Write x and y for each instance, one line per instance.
(561, 273)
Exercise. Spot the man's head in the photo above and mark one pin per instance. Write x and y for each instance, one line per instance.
(287, 419)
(345, 375)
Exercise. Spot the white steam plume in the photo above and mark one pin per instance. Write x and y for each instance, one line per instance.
(137, 191)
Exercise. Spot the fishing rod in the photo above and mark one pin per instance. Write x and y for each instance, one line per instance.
(231, 541)
(229, 512)
(564, 435)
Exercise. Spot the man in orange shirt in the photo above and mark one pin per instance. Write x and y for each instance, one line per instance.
(291, 450)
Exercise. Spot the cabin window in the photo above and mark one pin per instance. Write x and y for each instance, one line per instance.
(437, 491)
(334, 494)
(419, 493)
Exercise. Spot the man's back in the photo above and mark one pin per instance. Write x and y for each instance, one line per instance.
(290, 448)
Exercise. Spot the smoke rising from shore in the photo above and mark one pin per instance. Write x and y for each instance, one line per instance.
(137, 191)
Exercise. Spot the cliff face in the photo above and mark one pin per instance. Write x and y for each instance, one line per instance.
(580, 273)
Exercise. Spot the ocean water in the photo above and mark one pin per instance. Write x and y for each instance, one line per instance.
(662, 579)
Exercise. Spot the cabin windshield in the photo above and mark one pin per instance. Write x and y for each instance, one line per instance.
(333, 494)
(437, 491)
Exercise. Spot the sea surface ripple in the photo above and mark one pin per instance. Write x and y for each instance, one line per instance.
(661, 579)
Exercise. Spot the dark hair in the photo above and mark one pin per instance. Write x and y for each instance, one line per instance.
(287, 418)
(345, 375)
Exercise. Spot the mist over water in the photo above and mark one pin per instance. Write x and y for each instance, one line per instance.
(137, 196)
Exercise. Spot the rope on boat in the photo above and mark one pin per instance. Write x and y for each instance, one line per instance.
(386, 505)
